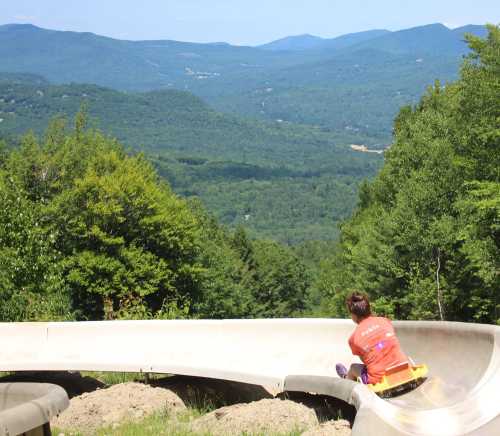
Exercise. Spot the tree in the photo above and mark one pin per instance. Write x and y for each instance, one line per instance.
(480, 236)
(31, 286)
(127, 245)
(281, 282)
(223, 290)
(424, 239)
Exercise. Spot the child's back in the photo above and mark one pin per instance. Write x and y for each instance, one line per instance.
(375, 342)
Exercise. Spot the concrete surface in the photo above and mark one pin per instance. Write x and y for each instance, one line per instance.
(27, 408)
(461, 396)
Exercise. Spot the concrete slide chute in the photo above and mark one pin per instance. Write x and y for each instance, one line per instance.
(27, 408)
(460, 397)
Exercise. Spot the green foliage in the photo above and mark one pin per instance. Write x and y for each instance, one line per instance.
(122, 243)
(249, 279)
(31, 287)
(128, 240)
(281, 282)
(479, 208)
(90, 232)
(295, 182)
(424, 240)
(274, 203)
(225, 292)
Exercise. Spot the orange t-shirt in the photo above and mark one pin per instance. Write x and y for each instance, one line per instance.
(375, 342)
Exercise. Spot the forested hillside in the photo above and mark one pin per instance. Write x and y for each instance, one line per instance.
(357, 93)
(353, 84)
(89, 232)
(171, 120)
(286, 182)
(425, 239)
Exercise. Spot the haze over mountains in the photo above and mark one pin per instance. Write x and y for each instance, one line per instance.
(354, 82)
(422, 39)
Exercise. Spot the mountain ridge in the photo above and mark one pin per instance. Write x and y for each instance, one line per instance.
(311, 42)
(382, 72)
(433, 39)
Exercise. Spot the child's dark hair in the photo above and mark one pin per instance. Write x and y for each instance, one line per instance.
(359, 305)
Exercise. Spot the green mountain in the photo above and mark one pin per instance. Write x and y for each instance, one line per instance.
(358, 89)
(308, 42)
(356, 93)
(64, 57)
(433, 39)
(286, 182)
(352, 84)
(22, 78)
(172, 120)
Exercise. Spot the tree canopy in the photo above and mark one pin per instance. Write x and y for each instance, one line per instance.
(88, 231)
(424, 241)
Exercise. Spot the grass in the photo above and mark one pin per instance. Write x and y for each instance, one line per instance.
(162, 424)
(157, 424)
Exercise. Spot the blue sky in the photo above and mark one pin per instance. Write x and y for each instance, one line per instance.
(244, 22)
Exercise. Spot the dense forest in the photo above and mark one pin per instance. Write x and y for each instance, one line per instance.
(167, 120)
(90, 230)
(288, 182)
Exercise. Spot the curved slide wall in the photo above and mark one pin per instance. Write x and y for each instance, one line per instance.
(461, 396)
(27, 408)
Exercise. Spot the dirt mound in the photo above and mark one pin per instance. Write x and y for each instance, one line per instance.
(330, 428)
(261, 417)
(113, 405)
(244, 409)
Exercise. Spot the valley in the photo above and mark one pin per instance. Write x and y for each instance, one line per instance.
(262, 135)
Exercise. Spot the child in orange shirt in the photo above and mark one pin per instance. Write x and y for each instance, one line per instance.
(373, 340)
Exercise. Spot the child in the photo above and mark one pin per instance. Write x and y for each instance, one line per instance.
(373, 340)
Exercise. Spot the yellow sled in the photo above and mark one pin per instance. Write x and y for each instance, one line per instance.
(400, 378)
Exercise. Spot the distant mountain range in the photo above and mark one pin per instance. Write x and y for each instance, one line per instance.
(354, 83)
(310, 42)
(415, 40)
